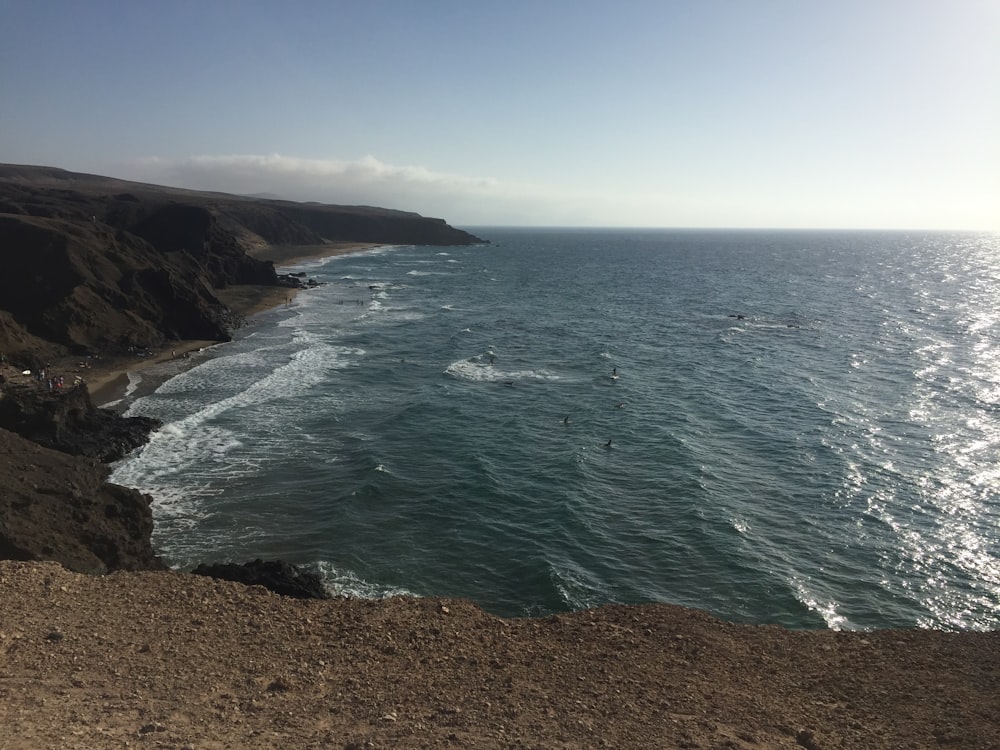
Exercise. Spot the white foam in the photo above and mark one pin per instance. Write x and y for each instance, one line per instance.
(191, 454)
(477, 371)
(347, 583)
(826, 609)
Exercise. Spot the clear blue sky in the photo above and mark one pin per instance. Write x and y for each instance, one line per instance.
(739, 113)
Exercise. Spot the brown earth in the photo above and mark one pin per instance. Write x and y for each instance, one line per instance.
(172, 660)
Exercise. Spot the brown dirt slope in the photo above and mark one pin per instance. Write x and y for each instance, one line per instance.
(168, 660)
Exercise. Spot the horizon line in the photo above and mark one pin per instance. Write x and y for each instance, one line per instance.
(651, 228)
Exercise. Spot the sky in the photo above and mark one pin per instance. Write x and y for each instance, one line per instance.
(635, 113)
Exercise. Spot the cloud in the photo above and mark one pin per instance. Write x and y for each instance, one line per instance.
(459, 199)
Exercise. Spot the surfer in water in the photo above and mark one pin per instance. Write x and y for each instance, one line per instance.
(608, 444)
(614, 373)
(566, 419)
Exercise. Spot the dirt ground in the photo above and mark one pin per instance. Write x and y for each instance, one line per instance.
(171, 660)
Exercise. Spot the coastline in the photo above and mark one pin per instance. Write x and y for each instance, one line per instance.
(108, 379)
(167, 659)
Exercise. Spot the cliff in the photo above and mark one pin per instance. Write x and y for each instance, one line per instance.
(98, 265)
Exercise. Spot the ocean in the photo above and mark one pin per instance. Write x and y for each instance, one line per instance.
(789, 427)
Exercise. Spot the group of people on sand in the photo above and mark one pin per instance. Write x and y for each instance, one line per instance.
(51, 382)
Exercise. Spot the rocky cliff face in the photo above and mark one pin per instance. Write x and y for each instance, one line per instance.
(67, 420)
(90, 288)
(54, 506)
(94, 264)
(54, 501)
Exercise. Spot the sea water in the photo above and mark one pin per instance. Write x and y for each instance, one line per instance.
(785, 427)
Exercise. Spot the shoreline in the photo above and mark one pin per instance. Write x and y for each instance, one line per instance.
(284, 256)
(108, 379)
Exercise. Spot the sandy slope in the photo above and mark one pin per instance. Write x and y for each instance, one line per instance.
(169, 660)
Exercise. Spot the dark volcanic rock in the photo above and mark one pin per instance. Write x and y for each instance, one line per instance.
(67, 420)
(59, 507)
(278, 576)
(97, 264)
(92, 289)
(357, 224)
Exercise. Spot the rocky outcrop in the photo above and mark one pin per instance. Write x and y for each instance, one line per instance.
(54, 506)
(55, 502)
(65, 419)
(278, 576)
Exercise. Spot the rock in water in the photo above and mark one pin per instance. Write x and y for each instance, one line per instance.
(278, 576)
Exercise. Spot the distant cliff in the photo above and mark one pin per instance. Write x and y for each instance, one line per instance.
(96, 264)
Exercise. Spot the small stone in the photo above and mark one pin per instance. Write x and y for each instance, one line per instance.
(391, 716)
(806, 739)
(279, 685)
(55, 636)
